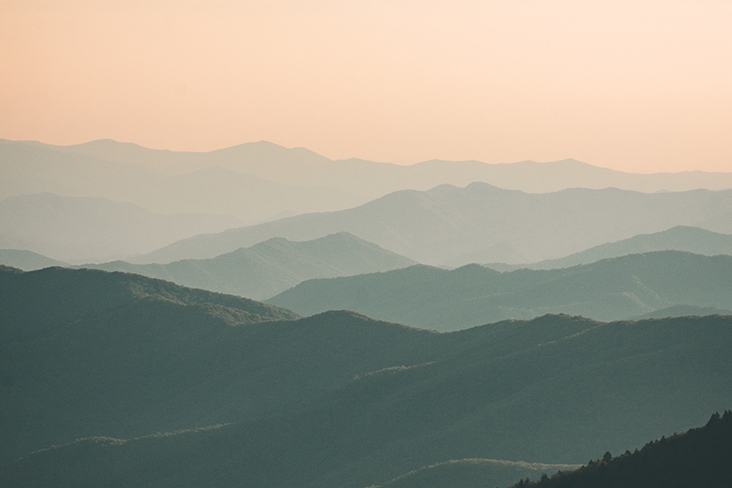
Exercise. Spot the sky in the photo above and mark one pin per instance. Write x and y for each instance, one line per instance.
(641, 86)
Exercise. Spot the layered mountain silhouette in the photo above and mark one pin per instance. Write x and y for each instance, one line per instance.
(302, 167)
(679, 238)
(31, 168)
(479, 223)
(79, 228)
(372, 400)
(610, 289)
(258, 181)
(272, 266)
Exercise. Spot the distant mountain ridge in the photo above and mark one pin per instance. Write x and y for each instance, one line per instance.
(611, 289)
(481, 223)
(679, 238)
(258, 181)
(272, 266)
(303, 167)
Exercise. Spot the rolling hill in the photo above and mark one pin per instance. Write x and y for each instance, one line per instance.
(479, 223)
(610, 289)
(272, 266)
(679, 238)
(87, 352)
(558, 389)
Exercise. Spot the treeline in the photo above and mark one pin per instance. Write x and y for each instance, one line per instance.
(699, 457)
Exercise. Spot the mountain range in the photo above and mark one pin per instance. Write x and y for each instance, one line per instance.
(260, 181)
(31, 168)
(609, 289)
(267, 399)
(481, 223)
(272, 266)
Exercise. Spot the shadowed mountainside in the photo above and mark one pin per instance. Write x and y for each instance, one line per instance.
(272, 266)
(479, 223)
(87, 352)
(679, 238)
(610, 289)
(557, 389)
(699, 457)
(78, 228)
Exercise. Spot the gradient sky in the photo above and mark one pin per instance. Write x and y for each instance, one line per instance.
(641, 86)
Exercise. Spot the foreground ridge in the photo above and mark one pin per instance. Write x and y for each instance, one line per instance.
(698, 457)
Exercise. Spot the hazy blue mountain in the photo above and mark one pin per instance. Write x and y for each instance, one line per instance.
(699, 457)
(77, 228)
(277, 181)
(302, 167)
(610, 289)
(478, 223)
(558, 389)
(273, 266)
(30, 168)
(26, 260)
(679, 238)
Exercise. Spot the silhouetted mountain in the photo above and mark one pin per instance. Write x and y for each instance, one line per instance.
(679, 238)
(610, 289)
(272, 266)
(26, 260)
(76, 228)
(699, 457)
(557, 389)
(478, 223)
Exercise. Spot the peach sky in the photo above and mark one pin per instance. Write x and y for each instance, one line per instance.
(641, 86)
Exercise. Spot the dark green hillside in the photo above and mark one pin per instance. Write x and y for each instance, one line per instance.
(611, 289)
(86, 352)
(699, 457)
(556, 389)
(273, 266)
